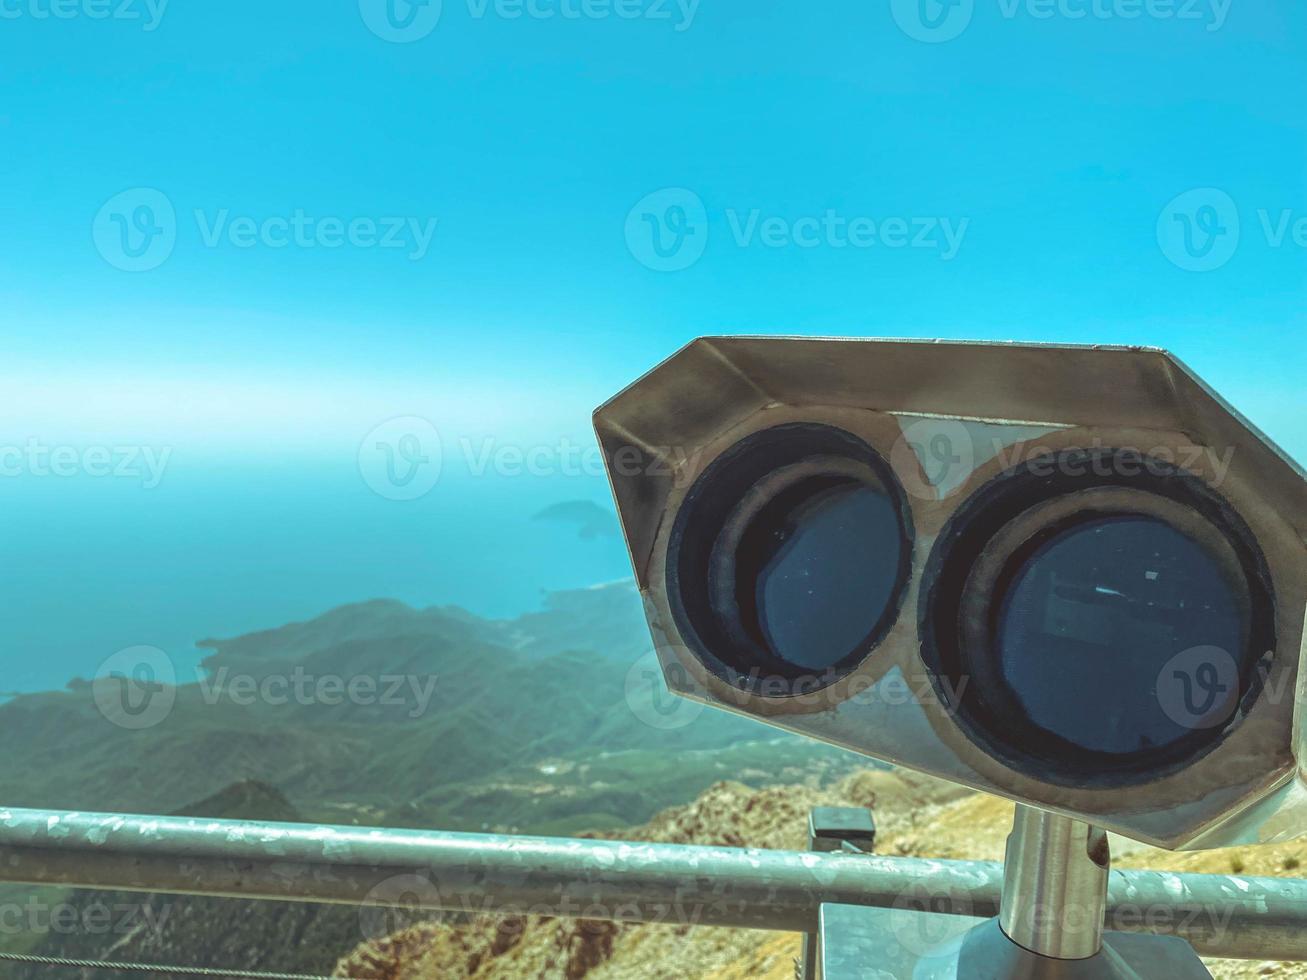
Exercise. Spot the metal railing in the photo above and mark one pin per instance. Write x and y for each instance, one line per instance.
(1219, 915)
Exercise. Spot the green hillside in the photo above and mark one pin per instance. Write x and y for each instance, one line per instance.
(461, 713)
(521, 726)
(196, 932)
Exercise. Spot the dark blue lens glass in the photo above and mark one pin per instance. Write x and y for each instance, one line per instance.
(822, 572)
(1094, 620)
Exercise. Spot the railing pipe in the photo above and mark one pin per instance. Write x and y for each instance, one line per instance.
(1248, 918)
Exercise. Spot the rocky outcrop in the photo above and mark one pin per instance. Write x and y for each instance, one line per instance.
(915, 816)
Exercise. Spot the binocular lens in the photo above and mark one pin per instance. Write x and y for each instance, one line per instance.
(1092, 620)
(816, 570)
(790, 559)
(1102, 622)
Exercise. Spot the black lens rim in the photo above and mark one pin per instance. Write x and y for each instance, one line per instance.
(957, 659)
(703, 603)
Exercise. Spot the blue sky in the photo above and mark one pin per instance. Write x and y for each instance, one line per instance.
(1043, 155)
(1060, 140)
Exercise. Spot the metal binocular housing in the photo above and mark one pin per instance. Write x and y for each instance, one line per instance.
(1070, 576)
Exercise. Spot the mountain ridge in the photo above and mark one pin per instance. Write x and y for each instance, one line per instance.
(469, 699)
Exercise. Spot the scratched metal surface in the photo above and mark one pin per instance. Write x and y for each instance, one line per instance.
(668, 428)
(894, 944)
(1229, 916)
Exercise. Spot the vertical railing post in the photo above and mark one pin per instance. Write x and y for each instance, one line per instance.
(834, 829)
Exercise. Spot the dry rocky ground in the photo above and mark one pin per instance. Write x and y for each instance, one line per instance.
(915, 816)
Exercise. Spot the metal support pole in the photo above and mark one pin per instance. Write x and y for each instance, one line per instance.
(830, 830)
(1055, 885)
(1249, 918)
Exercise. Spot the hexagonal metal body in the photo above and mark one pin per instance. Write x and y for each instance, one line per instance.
(996, 404)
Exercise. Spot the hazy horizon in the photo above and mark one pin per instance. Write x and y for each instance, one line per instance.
(198, 203)
(98, 564)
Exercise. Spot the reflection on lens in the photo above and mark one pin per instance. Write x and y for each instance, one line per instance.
(817, 570)
(1094, 616)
